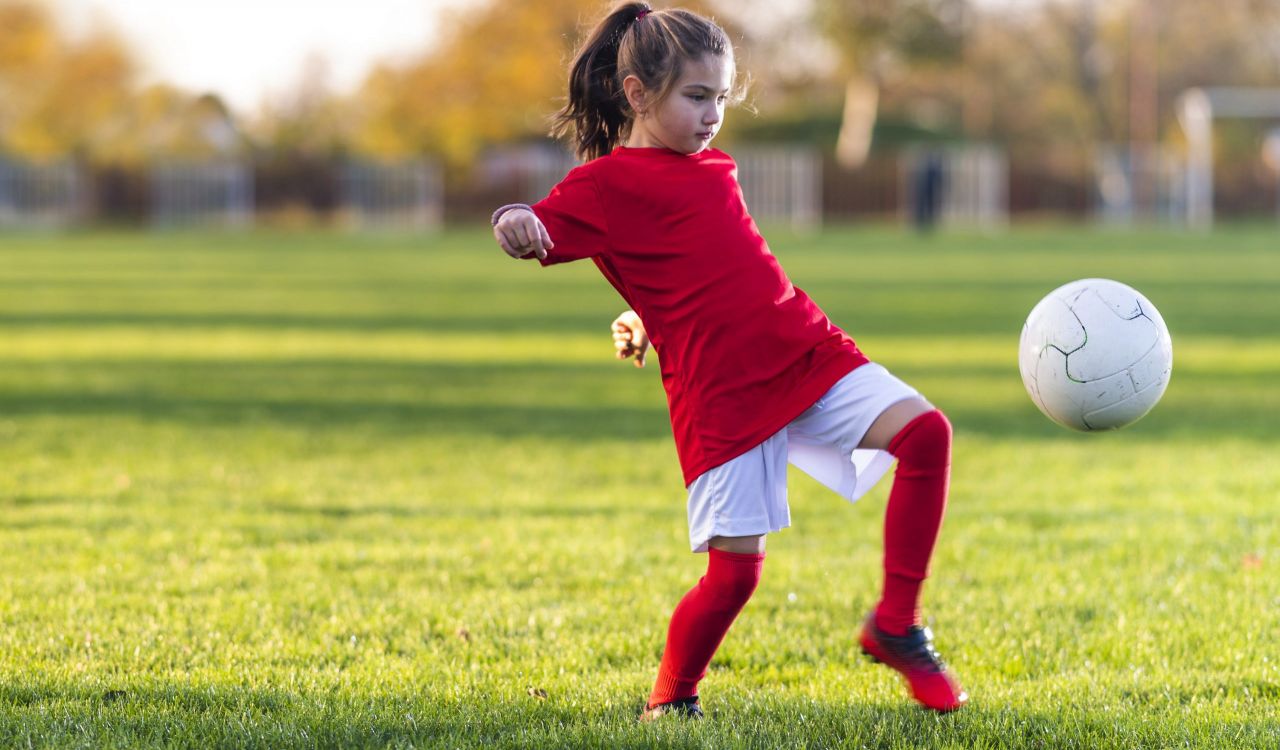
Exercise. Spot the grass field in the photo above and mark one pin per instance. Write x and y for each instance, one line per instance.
(330, 491)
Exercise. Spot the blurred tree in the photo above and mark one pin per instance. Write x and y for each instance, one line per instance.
(1218, 44)
(58, 96)
(496, 76)
(28, 42)
(161, 121)
(300, 136)
(1055, 74)
(877, 38)
(1060, 73)
(310, 119)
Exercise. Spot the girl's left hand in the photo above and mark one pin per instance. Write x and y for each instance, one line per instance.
(629, 337)
(521, 234)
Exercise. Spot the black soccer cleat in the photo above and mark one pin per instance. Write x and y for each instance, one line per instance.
(687, 708)
(914, 657)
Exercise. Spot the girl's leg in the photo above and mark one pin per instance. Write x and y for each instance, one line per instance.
(919, 436)
(703, 616)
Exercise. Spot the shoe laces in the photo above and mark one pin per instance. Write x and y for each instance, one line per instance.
(930, 654)
(917, 648)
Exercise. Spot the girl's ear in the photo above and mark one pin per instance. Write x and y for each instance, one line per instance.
(634, 90)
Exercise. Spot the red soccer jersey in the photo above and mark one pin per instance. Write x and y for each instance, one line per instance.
(742, 351)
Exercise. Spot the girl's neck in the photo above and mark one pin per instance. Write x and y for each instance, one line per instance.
(640, 138)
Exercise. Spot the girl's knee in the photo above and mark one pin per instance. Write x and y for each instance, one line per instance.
(745, 545)
(924, 441)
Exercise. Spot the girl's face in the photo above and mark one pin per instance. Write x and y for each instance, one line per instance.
(692, 113)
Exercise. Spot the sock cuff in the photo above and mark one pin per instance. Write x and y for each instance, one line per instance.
(671, 688)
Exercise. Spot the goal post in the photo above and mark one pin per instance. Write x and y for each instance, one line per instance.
(1198, 108)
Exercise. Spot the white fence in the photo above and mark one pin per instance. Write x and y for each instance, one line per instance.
(782, 184)
(779, 184)
(404, 196)
(974, 183)
(1119, 178)
(214, 193)
(52, 195)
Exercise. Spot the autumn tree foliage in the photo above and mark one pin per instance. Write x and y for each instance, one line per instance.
(499, 72)
(58, 96)
(491, 79)
(62, 97)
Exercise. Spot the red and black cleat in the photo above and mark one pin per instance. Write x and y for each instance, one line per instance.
(914, 656)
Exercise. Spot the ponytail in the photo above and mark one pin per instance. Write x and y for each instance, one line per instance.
(597, 114)
(634, 40)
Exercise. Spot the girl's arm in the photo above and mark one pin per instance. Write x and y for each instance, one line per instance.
(629, 337)
(519, 232)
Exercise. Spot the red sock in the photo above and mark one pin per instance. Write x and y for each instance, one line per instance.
(701, 620)
(913, 516)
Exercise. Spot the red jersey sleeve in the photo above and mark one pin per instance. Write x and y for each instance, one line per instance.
(574, 217)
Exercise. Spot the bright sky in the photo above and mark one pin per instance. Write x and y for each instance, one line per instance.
(248, 49)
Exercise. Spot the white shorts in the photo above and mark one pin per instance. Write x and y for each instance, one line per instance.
(747, 495)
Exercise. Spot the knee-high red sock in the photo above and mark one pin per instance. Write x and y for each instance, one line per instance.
(914, 514)
(701, 620)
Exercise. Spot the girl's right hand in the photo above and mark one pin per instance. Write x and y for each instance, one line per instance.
(629, 337)
(521, 234)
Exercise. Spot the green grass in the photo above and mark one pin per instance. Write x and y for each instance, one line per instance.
(273, 491)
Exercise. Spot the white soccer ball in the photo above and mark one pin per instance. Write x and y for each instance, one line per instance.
(1095, 355)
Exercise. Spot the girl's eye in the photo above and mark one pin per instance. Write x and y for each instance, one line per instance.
(721, 99)
(697, 97)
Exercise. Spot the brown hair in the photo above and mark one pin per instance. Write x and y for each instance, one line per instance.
(632, 40)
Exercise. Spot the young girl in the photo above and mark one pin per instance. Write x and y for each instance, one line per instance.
(755, 373)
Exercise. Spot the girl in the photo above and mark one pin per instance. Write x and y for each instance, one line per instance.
(755, 373)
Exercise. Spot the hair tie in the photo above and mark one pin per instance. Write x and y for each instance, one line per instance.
(640, 16)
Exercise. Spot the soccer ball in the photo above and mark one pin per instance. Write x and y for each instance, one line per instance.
(1095, 355)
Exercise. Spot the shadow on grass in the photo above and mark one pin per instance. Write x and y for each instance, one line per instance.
(173, 714)
(567, 401)
(496, 512)
(405, 417)
(600, 401)
(914, 316)
(497, 325)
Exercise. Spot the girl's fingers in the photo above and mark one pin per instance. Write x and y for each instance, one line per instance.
(628, 339)
(505, 244)
(520, 239)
